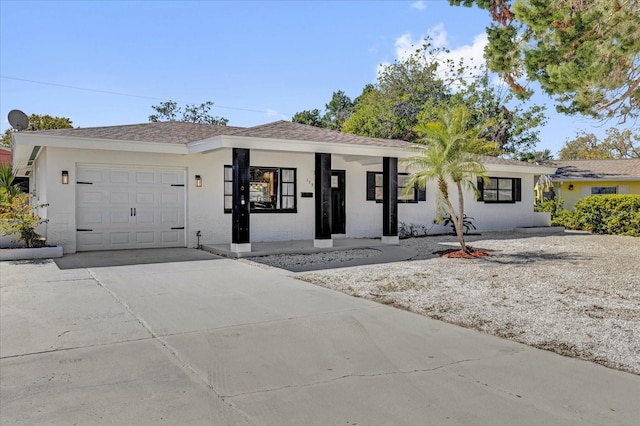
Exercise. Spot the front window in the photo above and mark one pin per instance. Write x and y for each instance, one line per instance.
(500, 190)
(603, 190)
(375, 185)
(270, 189)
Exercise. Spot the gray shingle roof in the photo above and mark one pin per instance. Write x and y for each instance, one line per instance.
(165, 132)
(597, 169)
(302, 132)
(178, 132)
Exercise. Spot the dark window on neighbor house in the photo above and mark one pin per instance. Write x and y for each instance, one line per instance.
(500, 190)
(603, 190)
(374, 189)
(271, 189)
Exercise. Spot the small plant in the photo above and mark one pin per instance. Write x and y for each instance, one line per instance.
(467, 224)
(17, 216)
(411, 230)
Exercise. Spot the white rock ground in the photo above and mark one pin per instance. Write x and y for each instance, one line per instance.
(576, 294)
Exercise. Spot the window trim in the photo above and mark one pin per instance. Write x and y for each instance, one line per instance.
(280, 195)
(516, 190)
(418, 194)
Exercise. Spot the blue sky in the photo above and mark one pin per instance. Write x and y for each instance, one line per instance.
(106, 63)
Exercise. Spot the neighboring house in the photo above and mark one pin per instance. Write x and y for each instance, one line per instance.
(576, 179)
(5, 158)
(168, 184)
(5, 155)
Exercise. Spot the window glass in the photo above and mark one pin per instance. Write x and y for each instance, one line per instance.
(501, 189)
(270, 189)
(228, 188)
(603, 190)
(377, 183)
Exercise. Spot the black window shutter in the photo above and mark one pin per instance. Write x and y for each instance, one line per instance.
(371, 186)
(480, 189)
(422, 193)
(517, 188)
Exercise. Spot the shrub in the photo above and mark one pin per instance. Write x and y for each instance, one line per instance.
(559, 215)
(609, 214)
(17, 216)
(467, 224)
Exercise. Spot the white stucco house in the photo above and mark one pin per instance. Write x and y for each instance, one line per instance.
(171, 184)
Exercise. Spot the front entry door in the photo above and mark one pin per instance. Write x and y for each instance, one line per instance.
(338, 216)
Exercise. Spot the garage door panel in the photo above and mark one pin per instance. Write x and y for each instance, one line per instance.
(125, 208)
(171, 179)
(119, 217)
(91, 240)
(96, 176)
(171, 218)
(145, 198)
(120, 176)
(120, 197)
(120, 238)
(171, 199)
(145, 237)
(145, 217)
(170, 237)
(146, 178)
(90, 197)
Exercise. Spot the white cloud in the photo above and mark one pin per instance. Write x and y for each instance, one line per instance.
(420, 5)
(439, 35)
(272, 113)
(406, 45)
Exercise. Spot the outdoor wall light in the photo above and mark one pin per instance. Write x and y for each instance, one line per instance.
(65, 177)
(570, 187)
(198, 181)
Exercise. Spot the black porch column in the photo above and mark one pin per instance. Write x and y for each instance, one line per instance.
(240, 204)
(390, 199)
(323, 201)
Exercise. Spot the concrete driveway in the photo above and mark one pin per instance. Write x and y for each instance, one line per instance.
(222, 342)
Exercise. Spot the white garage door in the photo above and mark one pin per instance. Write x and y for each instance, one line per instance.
(121, 208)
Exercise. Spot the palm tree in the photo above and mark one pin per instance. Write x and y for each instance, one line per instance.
(450, 151)
(7, 187)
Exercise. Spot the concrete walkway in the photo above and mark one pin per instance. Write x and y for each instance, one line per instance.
(223, 342)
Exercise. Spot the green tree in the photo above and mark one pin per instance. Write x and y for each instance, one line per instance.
(584, 146)
(420, 87)
(585, 54)
(617, 144)
(403, 89)
(338, 110)
(625, 144)
(536, 156)
(449, 151)
(171, 111)
(40, 122)
(308, 117)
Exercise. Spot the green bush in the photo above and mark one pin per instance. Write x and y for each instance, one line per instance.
(559, 215)
(609, 214)
(567, 219)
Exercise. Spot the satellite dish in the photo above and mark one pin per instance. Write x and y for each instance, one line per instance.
(18, 119)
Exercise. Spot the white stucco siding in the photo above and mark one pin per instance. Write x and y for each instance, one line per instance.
(505, 216)
(203, 210)
(274, 226)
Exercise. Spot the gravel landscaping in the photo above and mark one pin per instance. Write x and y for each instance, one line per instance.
(575, 294)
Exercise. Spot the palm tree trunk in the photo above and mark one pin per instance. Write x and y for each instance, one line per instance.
(457, 221)
(460, 228)
(456, 225)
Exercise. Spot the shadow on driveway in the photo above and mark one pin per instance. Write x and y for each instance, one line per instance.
(99, 259)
